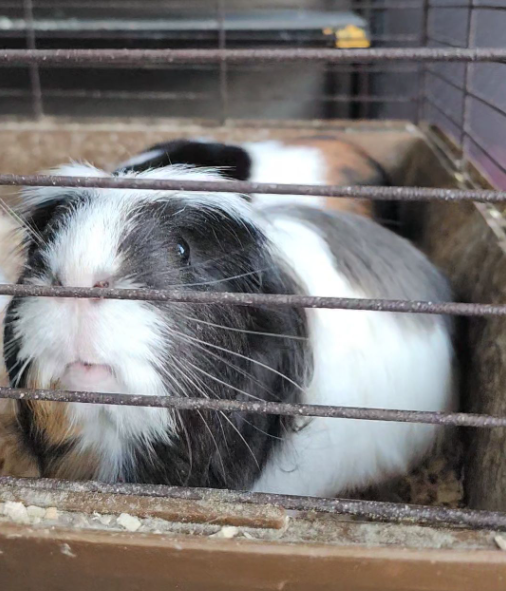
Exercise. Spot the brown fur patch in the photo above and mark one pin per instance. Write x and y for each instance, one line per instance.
(347, 165)
(76, 466)
(14, 458)
(51, 418)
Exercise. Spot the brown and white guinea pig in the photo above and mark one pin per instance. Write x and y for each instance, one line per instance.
(312, 160)
(221, 243)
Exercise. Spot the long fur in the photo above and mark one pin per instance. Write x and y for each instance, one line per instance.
(221, 243)
(312, 160)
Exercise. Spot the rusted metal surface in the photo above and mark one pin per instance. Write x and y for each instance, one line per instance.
(253, 299)
(375, 193)
(100, 57)
(36, 89)
(375, 510)
(271, 408)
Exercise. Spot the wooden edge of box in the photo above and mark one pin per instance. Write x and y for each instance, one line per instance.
(65, 559)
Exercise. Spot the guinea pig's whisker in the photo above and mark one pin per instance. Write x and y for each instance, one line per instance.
(238, 390)
(11, 213)
(261, 430)
(227, 419)
(241, 330)
(245, 357)
(183, 427)
(224, 472)
(188, 374)
(230, 278)
(238, 370)
(231, 423)
(175, 382)
(215, 379)
(137, 277)
(206, 423)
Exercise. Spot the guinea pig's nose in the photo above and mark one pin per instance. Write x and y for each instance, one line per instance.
(104, 284)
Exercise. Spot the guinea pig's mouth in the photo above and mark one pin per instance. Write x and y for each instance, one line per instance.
(81, 374)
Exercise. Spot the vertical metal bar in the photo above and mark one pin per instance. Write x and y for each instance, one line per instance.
(464, 131)
(365, 77)
(422, 68)
(222, 44)
(36, 88)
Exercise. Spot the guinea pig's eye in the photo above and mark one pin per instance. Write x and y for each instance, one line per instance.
(183, 251)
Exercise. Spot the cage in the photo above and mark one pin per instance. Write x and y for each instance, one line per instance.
(417, 84)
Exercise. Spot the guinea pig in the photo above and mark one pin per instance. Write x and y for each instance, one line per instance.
(311, 160)
(221, 243)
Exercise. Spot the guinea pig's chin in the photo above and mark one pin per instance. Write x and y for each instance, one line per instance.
(89, 376)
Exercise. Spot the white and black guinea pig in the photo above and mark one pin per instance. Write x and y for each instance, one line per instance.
(221, 243)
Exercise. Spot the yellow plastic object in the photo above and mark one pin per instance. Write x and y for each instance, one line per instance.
(351, 37)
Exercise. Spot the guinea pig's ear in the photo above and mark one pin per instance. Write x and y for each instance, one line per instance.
(39, 203)
(232, 161)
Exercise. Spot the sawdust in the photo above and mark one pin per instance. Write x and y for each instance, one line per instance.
(438, 481)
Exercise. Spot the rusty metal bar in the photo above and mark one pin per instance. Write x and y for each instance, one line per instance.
(353, 5)
(365, 192)
(194, 96)
(466, 99)
(223, 73)
(257, 299)
(98, 57)
(422, 68)
(264, 408)
(36, 88)
(372, 510)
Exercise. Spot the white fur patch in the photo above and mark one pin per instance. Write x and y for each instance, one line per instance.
(4, 300)
(367, 359)
(274, 162)
(231, 203)
(140, 159)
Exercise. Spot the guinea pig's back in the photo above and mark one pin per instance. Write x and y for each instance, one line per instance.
(363, 359)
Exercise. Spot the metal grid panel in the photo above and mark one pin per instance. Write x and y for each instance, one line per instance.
(457, 95)
(304, 92)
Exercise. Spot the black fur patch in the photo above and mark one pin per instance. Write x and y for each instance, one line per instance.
(227, 344)
(233, 161)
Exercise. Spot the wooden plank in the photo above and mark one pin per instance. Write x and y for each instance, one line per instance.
(59, 560)
(178, 510)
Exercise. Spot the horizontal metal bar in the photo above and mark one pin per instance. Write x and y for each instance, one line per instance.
(372, 510)
(264, 408)
(194, 96)
(236, 7)
(48, 57)
(174, 6)
(110, 95)
(365, 192)
(256, 299)
(240, 7)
